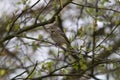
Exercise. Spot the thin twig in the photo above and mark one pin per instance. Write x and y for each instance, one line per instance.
(31, 71)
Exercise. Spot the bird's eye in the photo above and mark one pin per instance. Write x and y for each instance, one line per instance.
(52, 31)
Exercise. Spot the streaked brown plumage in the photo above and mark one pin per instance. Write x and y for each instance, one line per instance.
(58, 36)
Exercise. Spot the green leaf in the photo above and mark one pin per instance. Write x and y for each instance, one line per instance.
(2, 72)
(64, 71)
(40, 37)
(34, 46)
(8, 27)
(83, 66)
(19, 3)
(17, 27)
(49, 65)
(76, 66)
(109, 48)
(80, 32)
(83, 63)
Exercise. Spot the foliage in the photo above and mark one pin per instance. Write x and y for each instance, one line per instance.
(92, 27)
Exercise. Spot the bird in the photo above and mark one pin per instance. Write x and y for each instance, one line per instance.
(58, 36)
